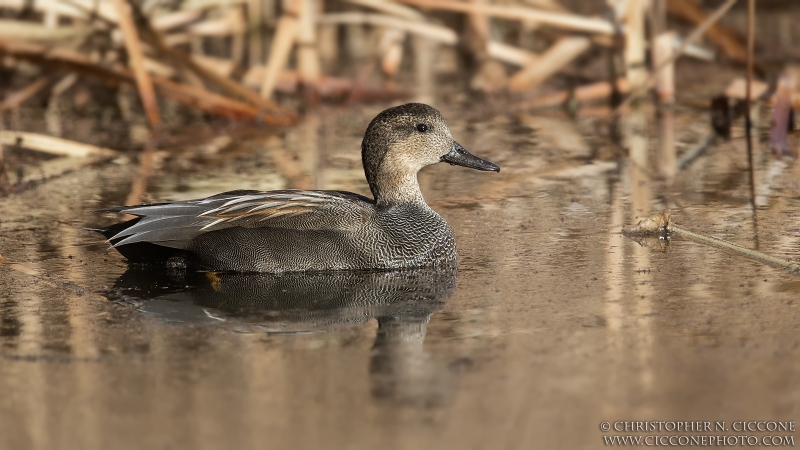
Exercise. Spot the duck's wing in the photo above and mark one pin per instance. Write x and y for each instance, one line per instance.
(175, 224)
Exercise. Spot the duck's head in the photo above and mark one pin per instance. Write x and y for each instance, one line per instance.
(402, 140)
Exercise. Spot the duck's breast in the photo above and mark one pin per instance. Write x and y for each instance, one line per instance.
(412, 236)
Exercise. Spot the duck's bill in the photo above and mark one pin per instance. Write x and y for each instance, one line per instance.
(459, 156)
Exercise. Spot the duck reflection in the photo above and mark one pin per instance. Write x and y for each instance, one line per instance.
(401, 301)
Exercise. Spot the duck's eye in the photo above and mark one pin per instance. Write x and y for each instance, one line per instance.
(421, 127)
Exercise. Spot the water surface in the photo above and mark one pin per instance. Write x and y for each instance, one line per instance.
(553, 323)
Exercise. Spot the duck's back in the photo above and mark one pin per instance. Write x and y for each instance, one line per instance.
(396, 237)
(283, 231)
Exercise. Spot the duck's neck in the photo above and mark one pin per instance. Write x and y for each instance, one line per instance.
(393, 189)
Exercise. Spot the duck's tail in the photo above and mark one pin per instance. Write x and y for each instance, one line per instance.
(141, 252)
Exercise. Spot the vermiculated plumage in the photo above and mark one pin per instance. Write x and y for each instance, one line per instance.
(293, 230)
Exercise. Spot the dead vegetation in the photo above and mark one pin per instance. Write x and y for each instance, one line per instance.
(264, 61)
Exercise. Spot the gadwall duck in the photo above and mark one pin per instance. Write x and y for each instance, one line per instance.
(293, 230)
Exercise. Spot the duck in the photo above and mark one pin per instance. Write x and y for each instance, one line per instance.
(313, 230)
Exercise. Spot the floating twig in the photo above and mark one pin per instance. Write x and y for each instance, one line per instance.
(660, 226)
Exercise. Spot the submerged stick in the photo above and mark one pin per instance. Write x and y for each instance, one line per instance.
(660, 226)
(698, 149)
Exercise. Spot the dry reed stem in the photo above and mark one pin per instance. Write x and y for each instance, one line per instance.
(52, 145)
(308, 64)
(255, 20)
(665, 87)
(391, 8)
(635, 122)
(238, 30)
(220, 66)
(748, 125)
(213, 103)
(425, 52)
(479, 23)
(176, 19)
(738, 89)
(328, 45)
(724, 38)
(696, 33)
(227, 84)
(549, 5)
(551, 61)
(634, 51)
(588, 92)
(510, 54)
(282, 41)
(662, 56)
(434, 32)
(136, 56)
(75, 9)
(522, 13)
(15, 29)
(15, 99)
(193, 96)
(391, 45)
(157, 68)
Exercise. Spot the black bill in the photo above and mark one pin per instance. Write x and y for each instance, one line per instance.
(459, 156)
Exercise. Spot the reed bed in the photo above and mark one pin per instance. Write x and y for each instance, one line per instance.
(263, 61)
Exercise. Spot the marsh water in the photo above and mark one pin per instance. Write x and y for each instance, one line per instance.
(553, 323)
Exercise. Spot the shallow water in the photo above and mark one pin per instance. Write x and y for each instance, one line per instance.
(553, 324)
